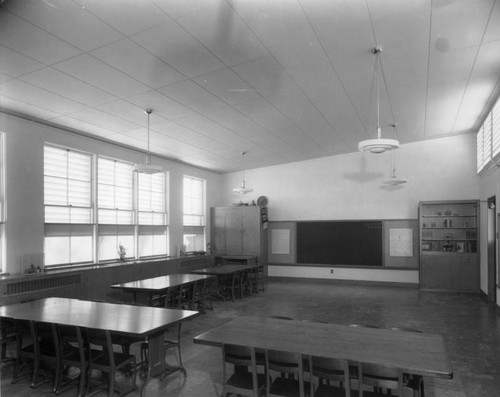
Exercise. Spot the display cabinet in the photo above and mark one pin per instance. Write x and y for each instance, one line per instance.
(449, 245)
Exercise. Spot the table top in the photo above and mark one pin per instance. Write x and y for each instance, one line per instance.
(118, 318)
(415, 353)
(161, 283)
(223, 269)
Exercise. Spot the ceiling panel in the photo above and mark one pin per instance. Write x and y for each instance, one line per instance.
(284, 80)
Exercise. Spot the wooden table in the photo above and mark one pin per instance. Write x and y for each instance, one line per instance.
(243, 259)
(223, 270)
(159, 285)
(415, 353)
(139, 321)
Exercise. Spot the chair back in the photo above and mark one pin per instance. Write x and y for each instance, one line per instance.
(380, 376)
(245, 380)
(331, 369)
(286, 363)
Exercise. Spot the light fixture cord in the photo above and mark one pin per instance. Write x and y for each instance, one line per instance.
(377, 70)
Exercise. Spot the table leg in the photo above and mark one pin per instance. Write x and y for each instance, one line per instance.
(156, 363)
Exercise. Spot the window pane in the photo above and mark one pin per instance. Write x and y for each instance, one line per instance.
(153, 241)
(57, 250)
(108, 246)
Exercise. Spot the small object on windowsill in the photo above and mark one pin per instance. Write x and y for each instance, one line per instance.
(122, 252)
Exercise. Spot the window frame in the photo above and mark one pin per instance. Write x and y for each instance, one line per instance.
(488, 141)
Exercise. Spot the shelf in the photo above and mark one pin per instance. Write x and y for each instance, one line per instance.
(449, 239)
(449, 216)
(448, 228)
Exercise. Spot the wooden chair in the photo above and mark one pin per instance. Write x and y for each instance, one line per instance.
(172, 298)
(73, 354)
(198, 296)
(8, 334)
(230, 285)
(327, 371)
(290, 381)
(244, 380)
(379, 380)
(42, 348)
(109, 362)
(209, 292)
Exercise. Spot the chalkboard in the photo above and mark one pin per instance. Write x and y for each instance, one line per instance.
(356, 243)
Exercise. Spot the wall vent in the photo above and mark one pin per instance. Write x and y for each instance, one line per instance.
(42, 283)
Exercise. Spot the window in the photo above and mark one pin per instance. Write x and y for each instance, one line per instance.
(488, 140)
(89, 219)
(68, 206)
(115, 208)
(152, 214)
(194, 214)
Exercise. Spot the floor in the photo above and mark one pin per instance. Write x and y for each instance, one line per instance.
(470, 324)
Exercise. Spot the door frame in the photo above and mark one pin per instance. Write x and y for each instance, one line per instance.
(491, 251)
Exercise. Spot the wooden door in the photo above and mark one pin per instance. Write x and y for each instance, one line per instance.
(251, 231)
(218, 230)
(233, 230)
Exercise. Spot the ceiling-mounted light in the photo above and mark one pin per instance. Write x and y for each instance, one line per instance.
(242, 189)
(393, 179)
(148, 168)
(378, 145)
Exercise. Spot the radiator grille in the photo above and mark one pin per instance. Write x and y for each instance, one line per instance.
(43, 283)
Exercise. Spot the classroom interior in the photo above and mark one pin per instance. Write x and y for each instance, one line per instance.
(277, 96)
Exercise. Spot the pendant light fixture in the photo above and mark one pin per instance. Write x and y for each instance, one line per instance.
(242, 189)
(378, 145)
(148, 168)
(393, 179)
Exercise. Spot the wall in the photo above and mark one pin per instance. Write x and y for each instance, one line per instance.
(489, 186)
(24, 179)
(349, 187)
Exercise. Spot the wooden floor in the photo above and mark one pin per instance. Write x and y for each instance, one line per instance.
(470, 324)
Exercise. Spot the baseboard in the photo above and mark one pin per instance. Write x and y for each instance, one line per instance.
(345, 282)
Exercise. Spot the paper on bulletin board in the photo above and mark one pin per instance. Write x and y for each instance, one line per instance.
(401, 242)
(280, 241)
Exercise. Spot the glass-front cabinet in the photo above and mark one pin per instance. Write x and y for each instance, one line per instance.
(449, 245)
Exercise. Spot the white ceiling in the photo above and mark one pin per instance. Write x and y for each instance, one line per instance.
(285, 80)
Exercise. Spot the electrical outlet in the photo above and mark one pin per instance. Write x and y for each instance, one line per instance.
(331, 271)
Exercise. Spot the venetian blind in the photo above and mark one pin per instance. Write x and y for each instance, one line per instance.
(115, 192)
(151, 199)
(488, 140)
(193, 201)
(67, 186)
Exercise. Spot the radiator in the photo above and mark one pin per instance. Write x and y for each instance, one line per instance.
(41, 283)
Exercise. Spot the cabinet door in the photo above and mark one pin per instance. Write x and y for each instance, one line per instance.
(218, 230)
(233, 230)
(449, 273)
(251, 231)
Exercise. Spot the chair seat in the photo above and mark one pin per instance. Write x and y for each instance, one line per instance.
(287, 387)
(243, 379)
(330, 391)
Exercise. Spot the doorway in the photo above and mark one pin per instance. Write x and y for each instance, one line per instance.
(492, 248)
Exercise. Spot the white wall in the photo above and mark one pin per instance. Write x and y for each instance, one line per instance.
(489, 186)
(24, 226)
(350, 187)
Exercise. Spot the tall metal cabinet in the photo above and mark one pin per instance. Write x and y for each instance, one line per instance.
(449, 245)
(238, 231)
